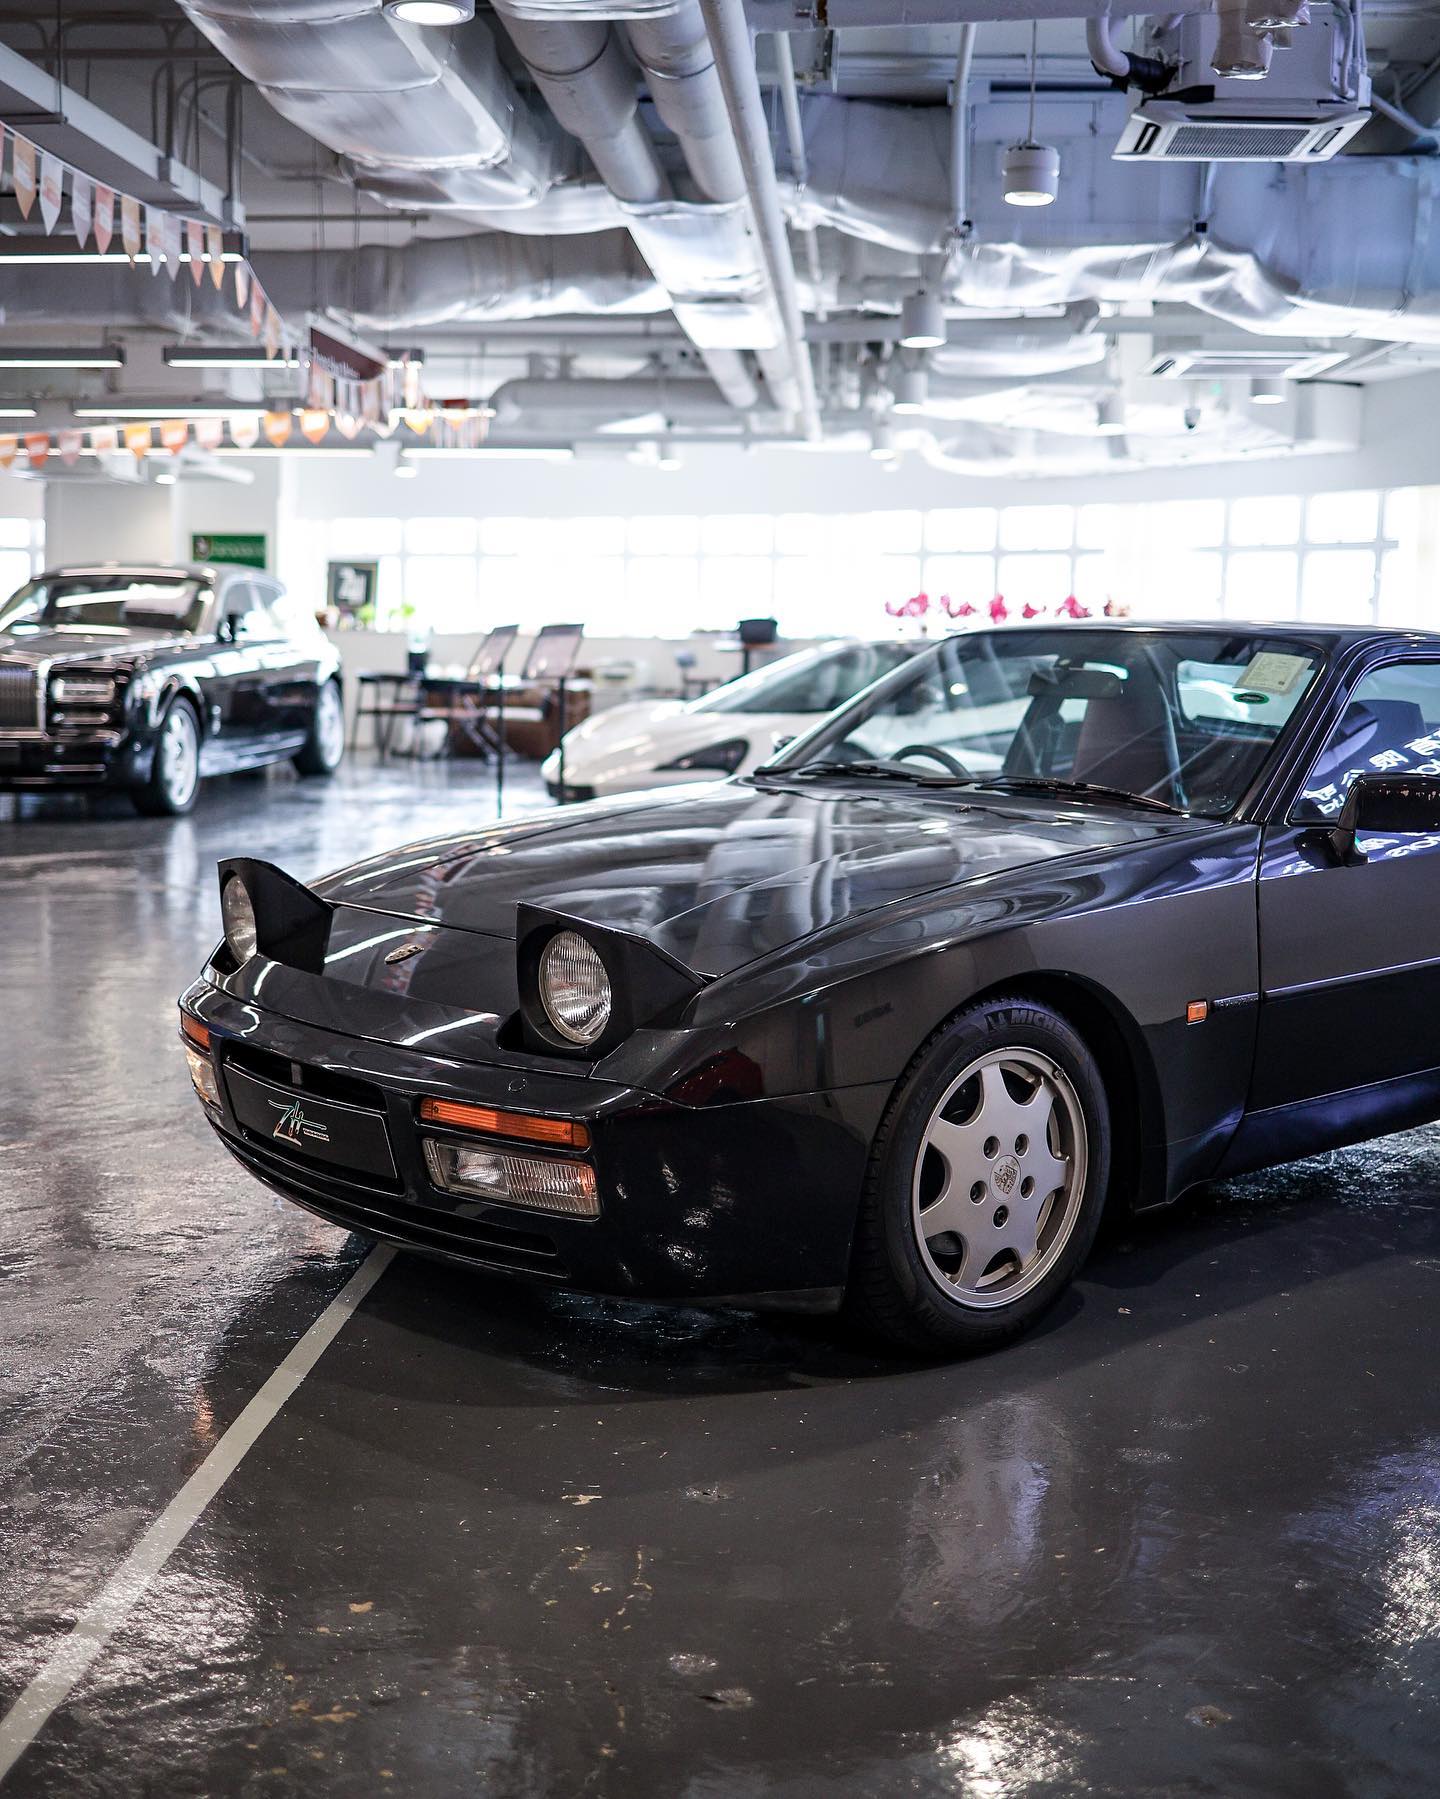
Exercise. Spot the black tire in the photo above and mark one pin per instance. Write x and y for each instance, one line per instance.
(174, 783)
(321, 753)
(898, 1289)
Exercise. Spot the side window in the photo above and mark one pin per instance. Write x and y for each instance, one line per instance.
(1391, 725)
(257, 622)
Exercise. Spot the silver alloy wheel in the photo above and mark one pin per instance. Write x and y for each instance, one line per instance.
(1000, 1177)
(329, 725)
(179, 753)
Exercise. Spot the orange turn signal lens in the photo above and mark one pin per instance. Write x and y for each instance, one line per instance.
(558, 1133)
(1197, 1011)
(192, 1028)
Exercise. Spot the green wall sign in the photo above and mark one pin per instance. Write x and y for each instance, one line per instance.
(245, 547)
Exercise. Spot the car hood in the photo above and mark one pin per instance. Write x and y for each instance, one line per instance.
(120, 645)
(721, 874)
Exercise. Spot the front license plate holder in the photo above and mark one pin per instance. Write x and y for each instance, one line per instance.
(295, 1123)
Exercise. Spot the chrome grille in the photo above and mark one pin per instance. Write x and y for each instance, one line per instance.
(18, 693)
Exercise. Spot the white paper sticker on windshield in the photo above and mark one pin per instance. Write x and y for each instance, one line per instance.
(1270, 672)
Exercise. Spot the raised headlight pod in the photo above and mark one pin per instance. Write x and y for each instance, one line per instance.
(82, 690)
(574, 988)
(239, 917)
(721, 758)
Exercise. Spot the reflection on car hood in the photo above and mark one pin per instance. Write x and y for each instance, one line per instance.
(119, 644)
(723, 873)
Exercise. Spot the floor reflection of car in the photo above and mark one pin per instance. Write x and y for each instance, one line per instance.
(1046, 919)
(149, 678)
(667, 743)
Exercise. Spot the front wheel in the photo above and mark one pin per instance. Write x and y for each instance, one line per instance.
(986, 1182)
(175, 772)
(325, 745)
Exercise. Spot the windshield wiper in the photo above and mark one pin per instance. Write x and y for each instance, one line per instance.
(864, 769)
(1095, 789)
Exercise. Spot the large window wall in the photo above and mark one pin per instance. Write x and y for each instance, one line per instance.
(1335, 557)
(22, 552)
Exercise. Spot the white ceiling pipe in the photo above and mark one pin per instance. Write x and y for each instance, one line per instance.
(581, 68)
(1104, 52)
(679, 66)
(682, 401)
(432, 109)
(735, 63)
(960, 137)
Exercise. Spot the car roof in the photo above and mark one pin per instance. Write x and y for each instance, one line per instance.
(1331, 636)
(189, 571)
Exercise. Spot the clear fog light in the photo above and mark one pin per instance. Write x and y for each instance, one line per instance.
(544, 1185)
(202, 1072)
(239, 919)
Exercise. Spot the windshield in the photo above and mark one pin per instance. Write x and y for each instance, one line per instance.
(812, 682)
(105, 602)
(1177, 718)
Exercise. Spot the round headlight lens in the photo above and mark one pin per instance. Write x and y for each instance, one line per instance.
(574, 988)
(239, 917)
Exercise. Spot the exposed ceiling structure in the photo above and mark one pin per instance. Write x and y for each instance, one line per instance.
(702, 220)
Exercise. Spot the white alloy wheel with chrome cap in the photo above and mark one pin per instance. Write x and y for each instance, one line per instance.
(175, 771)
(987, 1181)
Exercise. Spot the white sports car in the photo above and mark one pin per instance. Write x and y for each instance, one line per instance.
(732, 730)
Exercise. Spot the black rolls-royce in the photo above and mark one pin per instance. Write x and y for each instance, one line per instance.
(149, 678)
(1047, 919)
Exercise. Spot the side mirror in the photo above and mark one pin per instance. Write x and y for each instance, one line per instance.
(781, 740)
(229, 627)
(1404, 804)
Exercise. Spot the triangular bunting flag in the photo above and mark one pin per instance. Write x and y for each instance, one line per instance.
(70, 442)
(104, 216)
(9, 444)
(314, 423)
(154, 236)
(195, 249)
(137, 439)
(242, 283)
(130, 225)
(104, 440)
(37, 447)
(174, 435)
(277, 427)
(209, 432)
(52, 188)
(244, 427)
(257, 308)
(82, 200)
(22, 173)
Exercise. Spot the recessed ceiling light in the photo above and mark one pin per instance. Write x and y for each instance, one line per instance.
(431, 12)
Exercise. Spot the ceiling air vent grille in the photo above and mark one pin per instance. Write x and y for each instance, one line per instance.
(1217, 142)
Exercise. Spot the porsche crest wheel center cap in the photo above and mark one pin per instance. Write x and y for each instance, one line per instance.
(1007, 1173)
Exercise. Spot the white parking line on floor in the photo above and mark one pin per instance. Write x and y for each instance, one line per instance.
(110, 1608)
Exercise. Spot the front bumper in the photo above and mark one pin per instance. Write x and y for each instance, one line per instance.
(752, 1200)
(102, 759)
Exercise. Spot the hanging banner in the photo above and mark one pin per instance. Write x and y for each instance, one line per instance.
(104, 216)
(195, 249)
(104, 440)
(257, 308)
(82, 198)
(154, 237)
(9, 444)
(70, 442)
(137, 440)
(209, 432)
(52, 188)
(314, 423)
(174, 434)
(37, 447)
(215, 251)
(347, 424)
(242, 283)
(244, 428)
(277, 427)
(22, 173)
(130, 225)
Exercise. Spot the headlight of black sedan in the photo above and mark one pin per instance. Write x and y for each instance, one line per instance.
(83, 690)
(585, 987)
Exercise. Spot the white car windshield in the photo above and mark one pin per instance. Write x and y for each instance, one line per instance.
(810, 682)
(1181, 719)
(105, 602)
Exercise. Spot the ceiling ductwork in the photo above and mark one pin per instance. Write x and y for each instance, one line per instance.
(423, 117)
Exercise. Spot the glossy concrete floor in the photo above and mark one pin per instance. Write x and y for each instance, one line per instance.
(1184, 1540)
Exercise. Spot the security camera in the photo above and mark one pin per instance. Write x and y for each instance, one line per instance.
(1192, 418)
